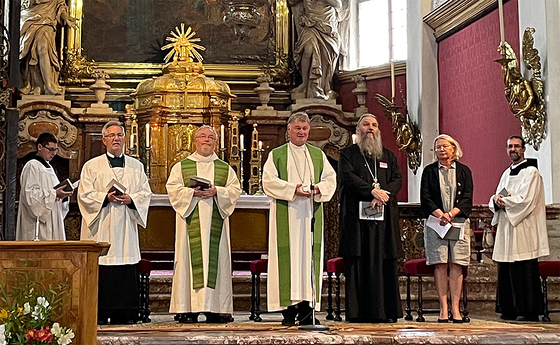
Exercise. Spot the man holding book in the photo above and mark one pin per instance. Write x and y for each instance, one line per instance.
(203, 191)
(298, 178)
(521, 236)
(114, 197)
(42, 207)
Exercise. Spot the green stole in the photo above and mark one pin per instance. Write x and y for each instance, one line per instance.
(280, 159)
(221, 170)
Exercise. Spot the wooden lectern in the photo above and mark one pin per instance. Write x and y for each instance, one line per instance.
(70, 262)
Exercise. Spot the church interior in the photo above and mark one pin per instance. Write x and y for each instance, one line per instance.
(165, 68)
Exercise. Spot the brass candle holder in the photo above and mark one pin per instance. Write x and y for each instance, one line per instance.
(254, 180)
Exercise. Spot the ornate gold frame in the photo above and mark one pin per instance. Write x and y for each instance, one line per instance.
(135, 72)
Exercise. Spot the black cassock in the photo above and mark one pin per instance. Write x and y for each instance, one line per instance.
(370, 248)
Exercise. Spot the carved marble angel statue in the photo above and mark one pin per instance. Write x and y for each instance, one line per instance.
(318, 45)
(38, 53)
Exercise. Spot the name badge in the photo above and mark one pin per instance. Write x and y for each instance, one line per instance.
(383, 165)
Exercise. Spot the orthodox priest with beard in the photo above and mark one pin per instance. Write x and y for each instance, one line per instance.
(369, 173)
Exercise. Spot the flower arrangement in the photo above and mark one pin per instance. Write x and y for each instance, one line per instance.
(27, 316)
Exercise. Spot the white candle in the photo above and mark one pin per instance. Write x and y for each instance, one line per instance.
(148, 134)
(353, 138)
(260, 145)
(241, 142)
(501, 14)
(222, 137)
(131, 141)
(392, 81)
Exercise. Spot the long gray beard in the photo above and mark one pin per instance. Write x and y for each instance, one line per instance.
(372, 147)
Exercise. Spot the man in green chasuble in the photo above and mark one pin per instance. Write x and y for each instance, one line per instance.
(202, 275)
(289, 173)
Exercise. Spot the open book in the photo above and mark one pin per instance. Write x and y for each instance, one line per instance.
(68, 185)
(198, 181)
(116, 186)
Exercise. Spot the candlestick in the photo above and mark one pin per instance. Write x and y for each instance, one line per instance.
(131, 145)
(241, 179)
(222, 137)
(37, 230)
(241, 142)
(148, 134)
(392, 81)
(501, 14)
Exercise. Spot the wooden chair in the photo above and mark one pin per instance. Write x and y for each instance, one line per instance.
(548, 269)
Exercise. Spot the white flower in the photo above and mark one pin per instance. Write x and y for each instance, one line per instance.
(26, 308)
(2, 335)
(56, 329)
(65, 339)
(42, 301)
(37, 313)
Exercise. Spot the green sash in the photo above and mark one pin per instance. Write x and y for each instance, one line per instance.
(221, 170)
(280, 159)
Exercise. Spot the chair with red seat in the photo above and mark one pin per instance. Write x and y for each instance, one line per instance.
(145, 268)
(257, 267)
(548, 269)
(419, 269)
(335, 267)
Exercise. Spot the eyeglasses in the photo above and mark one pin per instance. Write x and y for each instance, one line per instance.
(112, 135)
(443, 147)
(52, 149)
(204, 137)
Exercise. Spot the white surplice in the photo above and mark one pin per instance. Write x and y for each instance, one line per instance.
(114, 223)
(300, 170)
(37, 198)
(521, 233)
(184, 298)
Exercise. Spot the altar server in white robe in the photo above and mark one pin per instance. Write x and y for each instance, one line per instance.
(108, 217)
(289, 173)
(202, 276)
(521, 236)
(38, 200)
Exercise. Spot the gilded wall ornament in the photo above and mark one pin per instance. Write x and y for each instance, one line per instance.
(406, 132)
(525, 97)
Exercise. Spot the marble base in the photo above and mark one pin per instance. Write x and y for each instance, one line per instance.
(44, 98)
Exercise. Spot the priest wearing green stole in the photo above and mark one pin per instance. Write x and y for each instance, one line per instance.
(202, 275)
(289, 173)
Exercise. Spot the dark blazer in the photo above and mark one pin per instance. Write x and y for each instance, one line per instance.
(430, 192)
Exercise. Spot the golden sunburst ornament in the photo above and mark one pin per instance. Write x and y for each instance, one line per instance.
(184, 48)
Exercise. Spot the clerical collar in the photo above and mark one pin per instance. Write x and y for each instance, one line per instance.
(42, 161)
(529, 162)
(115, 162)
(294, 146)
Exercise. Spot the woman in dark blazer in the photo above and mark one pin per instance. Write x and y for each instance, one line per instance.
(446, 193)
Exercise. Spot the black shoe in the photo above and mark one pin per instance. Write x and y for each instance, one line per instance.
(509, 317)
(526, 318)
(102, 321)
(188, 318)
(442, 320)
(215, 318)
(288, 322)
(458, 320)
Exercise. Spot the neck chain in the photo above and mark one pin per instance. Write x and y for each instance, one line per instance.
(300, 176)
(375, 183)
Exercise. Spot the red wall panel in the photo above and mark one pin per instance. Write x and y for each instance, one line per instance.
(473, 108)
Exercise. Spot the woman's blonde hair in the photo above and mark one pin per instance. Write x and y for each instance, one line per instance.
(457, 152)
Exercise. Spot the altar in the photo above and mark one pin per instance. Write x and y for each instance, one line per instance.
(248, 226)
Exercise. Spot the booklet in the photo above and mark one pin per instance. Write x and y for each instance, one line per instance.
(369, 213)
(68, 185)
(504, 192)
(433, 223)
(198, 181)
(116, 186)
